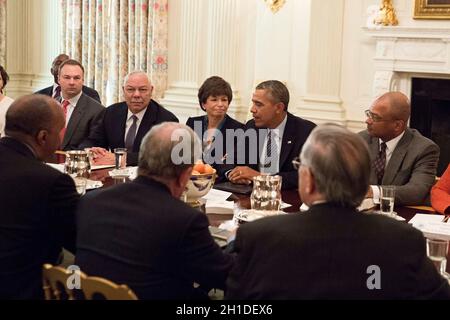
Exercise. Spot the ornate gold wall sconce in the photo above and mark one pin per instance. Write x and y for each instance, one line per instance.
(275, 5)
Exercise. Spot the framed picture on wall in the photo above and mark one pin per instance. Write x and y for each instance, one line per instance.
(432, 9)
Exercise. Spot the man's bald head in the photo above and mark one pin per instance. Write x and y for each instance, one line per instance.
(35, 120)
(399, 106)
(31, 113)
(388, 116)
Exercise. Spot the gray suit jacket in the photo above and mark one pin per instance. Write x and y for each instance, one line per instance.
(81, 122)
(412, 167)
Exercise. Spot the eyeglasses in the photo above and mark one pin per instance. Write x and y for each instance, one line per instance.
(296, 163)
(373, 116)
(376, 118)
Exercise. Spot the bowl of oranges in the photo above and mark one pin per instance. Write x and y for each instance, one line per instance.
(201, 181)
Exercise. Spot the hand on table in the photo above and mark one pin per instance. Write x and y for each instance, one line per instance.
(105, 159)
(242, 175)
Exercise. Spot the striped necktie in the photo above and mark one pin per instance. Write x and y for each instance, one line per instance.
(380, 162)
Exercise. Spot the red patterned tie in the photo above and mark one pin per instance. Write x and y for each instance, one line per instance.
(380, 162)
(65, 104)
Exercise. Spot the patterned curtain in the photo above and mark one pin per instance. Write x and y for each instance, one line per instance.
(2, 32)
(114, 37)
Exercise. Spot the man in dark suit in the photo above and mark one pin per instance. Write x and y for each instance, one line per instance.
(124, 124)
(37, 202)
(279, 137)
(140, 233)
(54, 91)
(400, 156)
(79, 109)
(332, 251)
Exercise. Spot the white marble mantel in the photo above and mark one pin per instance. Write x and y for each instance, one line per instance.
(406, 52)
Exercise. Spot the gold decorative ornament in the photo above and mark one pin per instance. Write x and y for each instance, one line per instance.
(386, 16)
(275, 5)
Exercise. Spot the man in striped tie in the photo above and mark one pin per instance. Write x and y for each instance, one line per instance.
(280, 137)
(400, 156)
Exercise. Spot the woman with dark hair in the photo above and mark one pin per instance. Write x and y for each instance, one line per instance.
(214, 97)
(5, 101)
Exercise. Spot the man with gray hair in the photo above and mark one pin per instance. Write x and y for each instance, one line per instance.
(332, 251)
(124, 124)
(140, 233)
(37, 213)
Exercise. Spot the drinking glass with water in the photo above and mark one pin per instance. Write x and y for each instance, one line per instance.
(437, 252)
(121, 157)
(387, 199)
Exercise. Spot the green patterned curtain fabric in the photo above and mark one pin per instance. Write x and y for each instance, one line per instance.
(114, 37)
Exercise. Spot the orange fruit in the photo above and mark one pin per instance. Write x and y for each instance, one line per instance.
(208, 169)
(199, 167)
(194, 173)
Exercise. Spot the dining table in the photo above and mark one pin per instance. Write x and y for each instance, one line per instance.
(290, 197)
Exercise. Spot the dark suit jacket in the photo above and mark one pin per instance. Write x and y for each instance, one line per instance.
(295, 134)
(109, 132)
(200, 129)
(86, 90)
(412, 167)
(326, 252)
(81, 123)
(36, 219)
(138, 234)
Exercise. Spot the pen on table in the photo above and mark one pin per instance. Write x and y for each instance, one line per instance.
(445, 219)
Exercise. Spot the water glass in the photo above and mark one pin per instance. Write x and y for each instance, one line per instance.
(80, 184)
(387, 198)
(437, 252)
(121, 157)
(266, 194)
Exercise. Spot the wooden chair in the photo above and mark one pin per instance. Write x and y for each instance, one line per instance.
(54, 283)
(55, 286)
(96, 287)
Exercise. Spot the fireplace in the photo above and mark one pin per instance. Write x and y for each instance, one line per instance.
(416, 61)
(430, 114)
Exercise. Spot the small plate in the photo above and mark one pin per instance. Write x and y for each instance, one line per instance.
(93, 184)
(252, 215)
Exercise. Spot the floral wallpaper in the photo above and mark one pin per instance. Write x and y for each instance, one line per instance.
(114, 37)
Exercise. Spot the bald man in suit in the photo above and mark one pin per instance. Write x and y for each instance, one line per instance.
(400, 156)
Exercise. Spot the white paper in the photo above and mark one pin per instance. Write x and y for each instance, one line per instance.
(431, 226)
(366, 204)
(130, 172)
(59, 167)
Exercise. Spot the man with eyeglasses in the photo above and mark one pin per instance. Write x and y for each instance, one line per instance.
(400, 156)
(124, 124)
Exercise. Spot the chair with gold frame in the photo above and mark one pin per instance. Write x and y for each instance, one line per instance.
(55, 286)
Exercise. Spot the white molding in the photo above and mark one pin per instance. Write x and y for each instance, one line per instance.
(404, 52)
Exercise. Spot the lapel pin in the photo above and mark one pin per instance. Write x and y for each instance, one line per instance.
(289, 142)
